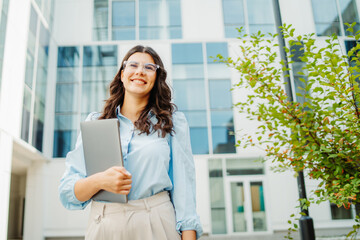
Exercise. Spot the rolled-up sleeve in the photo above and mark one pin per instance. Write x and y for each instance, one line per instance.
(75, 170)
(182, 173)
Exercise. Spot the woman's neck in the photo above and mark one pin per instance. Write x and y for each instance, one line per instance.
(132, 107)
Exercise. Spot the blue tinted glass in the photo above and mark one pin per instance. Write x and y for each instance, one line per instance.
(175, 32)
(152, 33)
(103, 73)
(66, 98)
(196, 118)
(33, 21)
(213, 49)
(68, 57)
(326, 17)
(100, 55)
(93, 96)
(223, 131)
(187, 53)
(218, 71)
(264, 28)
(220, 94)
(67, 74)
(174, 10)
(64, 141)
(150, 13)
(199, 140)
(186, 71)
(232, 32)
(123, 34)
(260, 12)
(233, 11)
(123, 13)
(189, 94)
(65, 134)
(349, 14)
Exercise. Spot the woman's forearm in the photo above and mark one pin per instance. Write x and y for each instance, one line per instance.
(86, 188)
(188, 235)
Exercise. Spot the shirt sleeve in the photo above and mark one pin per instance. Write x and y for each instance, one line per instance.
(75, 170)
(182, 174)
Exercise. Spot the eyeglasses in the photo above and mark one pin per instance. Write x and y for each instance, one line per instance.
(148, 67)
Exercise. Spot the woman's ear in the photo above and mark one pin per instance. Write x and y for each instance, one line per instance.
(122, 75)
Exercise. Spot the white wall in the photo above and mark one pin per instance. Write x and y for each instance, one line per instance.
(59, 221)
(73, 21)
(202, 20)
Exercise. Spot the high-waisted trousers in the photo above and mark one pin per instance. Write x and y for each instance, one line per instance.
(151, 218)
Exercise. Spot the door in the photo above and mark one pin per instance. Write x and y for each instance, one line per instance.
(246, 211)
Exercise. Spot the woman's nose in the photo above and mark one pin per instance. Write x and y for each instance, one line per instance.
(140, 70)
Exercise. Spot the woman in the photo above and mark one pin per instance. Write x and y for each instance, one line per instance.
(158, 174)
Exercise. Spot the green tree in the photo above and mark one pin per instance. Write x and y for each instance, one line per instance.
(318, 134)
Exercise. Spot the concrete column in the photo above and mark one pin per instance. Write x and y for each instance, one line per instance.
(34, 202)
(6, 150)
(12, 89)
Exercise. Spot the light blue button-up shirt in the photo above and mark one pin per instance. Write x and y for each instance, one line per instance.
(156, 164)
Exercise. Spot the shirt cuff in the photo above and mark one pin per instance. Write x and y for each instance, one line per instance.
(191, 224)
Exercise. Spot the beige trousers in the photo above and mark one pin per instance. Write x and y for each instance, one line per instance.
(152, 218)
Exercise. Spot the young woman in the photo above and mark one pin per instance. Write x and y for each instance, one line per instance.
(158, 174)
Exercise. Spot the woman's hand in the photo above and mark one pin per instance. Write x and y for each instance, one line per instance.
(115, 179)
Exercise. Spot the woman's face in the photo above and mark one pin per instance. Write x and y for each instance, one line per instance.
(139, 75)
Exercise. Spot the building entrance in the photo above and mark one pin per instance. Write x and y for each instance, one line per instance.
(245, 204)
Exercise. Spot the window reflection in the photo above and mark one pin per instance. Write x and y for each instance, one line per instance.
(223, 131)
(189, 92)
(123, 20)
(40, 88)
(217, 197)
(259, 16)
(327, 16)
(100, 27)
(66, 100)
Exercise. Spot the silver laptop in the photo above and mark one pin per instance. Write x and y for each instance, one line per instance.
(102, 150)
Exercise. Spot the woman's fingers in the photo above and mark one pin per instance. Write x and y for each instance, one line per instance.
(122, 170)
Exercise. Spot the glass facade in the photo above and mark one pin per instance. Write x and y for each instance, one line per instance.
(202, 92)
(80, 89)
(252, 15)
(137, 19)
(330, 16)
(3, 22)
(37, 54)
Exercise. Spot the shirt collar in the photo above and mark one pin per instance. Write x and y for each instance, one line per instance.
(118, 113)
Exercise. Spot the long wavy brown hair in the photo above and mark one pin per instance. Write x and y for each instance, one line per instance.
(159, 101)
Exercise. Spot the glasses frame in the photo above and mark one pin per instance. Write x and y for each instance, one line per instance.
(143, 66)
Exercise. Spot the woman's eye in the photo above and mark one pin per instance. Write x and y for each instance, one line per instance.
(134, 65)
(149, 67)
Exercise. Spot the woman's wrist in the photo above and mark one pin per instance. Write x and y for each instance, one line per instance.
(188, 235)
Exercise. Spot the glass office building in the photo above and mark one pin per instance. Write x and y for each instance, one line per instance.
(56, 69)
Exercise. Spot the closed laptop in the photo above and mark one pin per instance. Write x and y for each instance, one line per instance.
(102, 150)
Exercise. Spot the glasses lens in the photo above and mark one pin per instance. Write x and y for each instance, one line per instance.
(150, 67)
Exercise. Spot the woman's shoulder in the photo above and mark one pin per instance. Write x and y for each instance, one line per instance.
(93, 116)
(178, 117)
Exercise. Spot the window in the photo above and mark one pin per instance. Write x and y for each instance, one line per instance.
(137, 19)
(66, 105)
(237, 197)
(34, 100)
(299, 79)
(3, 21)
(202, 92)
(79, 94)
(252, 15)
(338, 213)
(330, 16)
